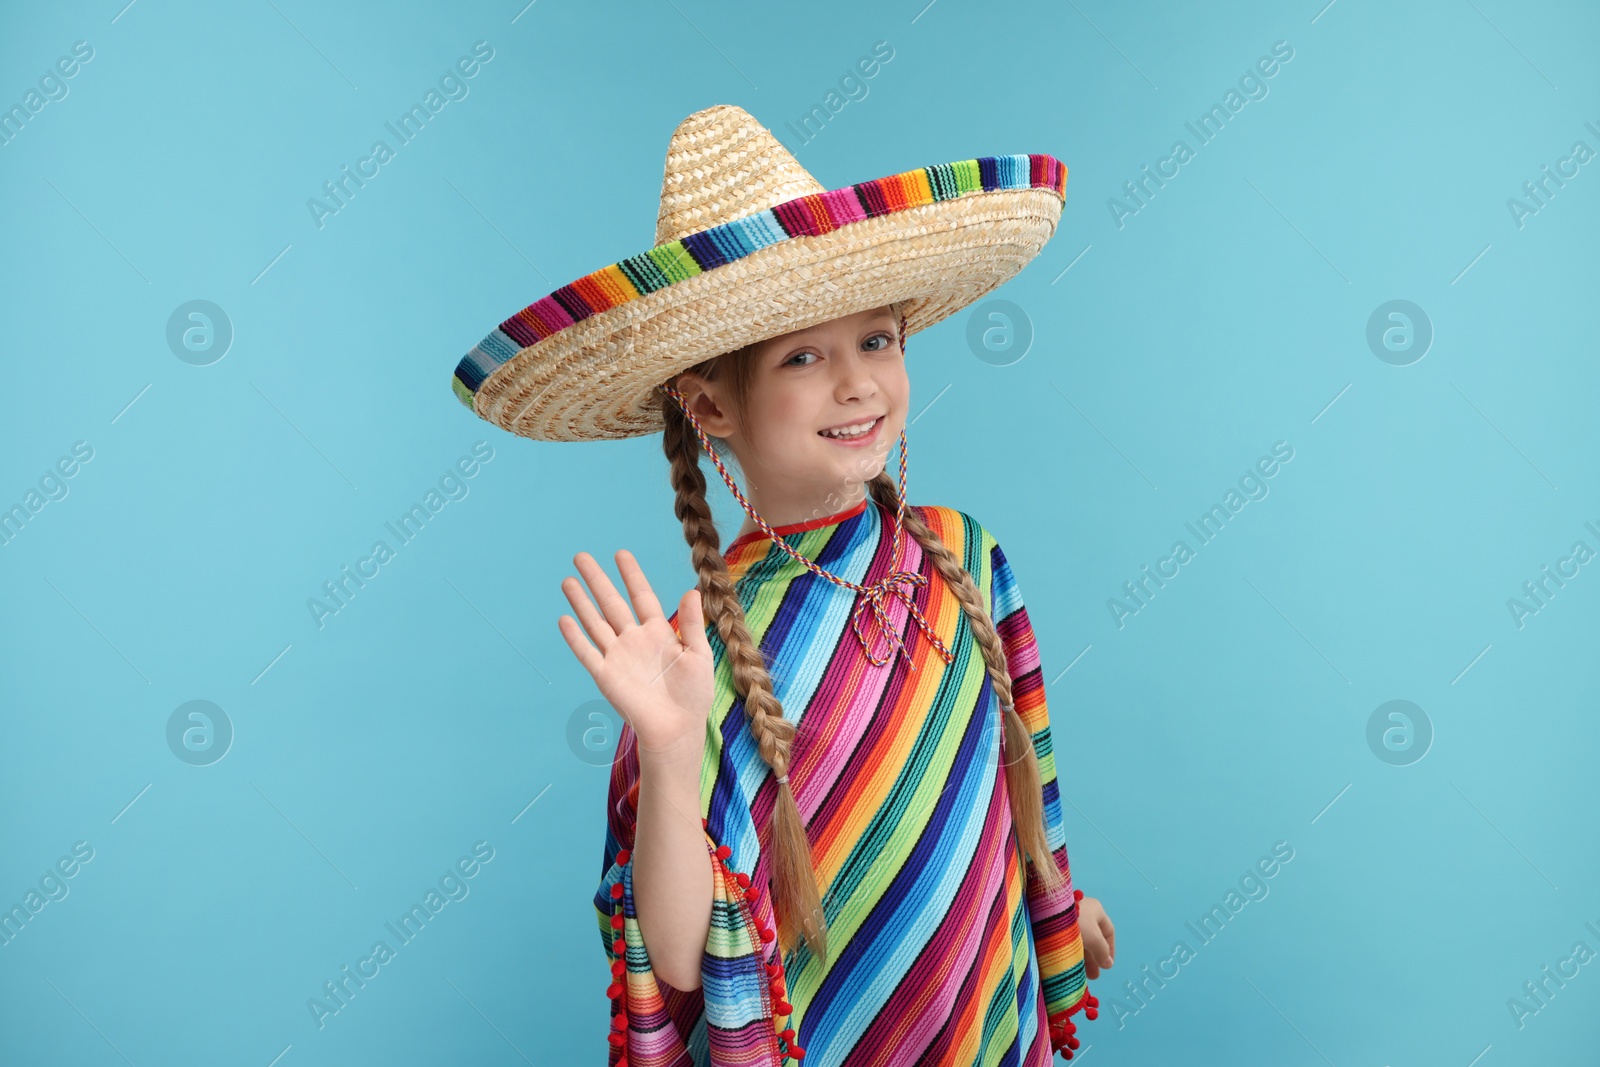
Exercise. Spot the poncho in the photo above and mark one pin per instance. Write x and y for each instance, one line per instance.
(942, 950)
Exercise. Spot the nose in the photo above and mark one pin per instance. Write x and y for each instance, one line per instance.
(853, 377)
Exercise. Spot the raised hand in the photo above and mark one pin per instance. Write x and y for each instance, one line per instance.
(660, 684)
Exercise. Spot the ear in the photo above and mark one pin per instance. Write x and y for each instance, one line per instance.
(704, 399)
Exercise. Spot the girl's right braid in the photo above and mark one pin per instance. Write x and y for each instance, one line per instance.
(795, 896)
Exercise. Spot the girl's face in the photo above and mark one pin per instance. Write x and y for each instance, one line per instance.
(826, 405)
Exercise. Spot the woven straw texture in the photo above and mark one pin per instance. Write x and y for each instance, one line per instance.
(750, 246)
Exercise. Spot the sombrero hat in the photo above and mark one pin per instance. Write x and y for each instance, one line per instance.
(750, 246)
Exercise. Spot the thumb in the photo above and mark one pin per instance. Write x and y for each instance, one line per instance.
(692, 623)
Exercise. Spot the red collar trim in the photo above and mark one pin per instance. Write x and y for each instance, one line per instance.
(797, 527)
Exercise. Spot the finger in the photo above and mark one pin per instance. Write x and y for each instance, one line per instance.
(595, 625)
(645, 604)
(1089, 969)
(587, 655)
(692, 622)
(615, 609)
(1111, 935)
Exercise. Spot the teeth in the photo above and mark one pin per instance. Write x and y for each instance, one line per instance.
(851, 431)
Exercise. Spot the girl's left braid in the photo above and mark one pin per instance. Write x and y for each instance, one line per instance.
(796, 898)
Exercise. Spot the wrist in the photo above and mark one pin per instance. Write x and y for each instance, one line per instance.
(673, 759)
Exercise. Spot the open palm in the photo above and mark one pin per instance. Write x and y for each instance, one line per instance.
(659, 683)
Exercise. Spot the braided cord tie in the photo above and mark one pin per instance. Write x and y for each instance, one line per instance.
(896, 583)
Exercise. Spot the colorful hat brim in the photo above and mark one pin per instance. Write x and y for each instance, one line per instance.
(583, 363)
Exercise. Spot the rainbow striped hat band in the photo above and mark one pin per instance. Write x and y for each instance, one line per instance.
(750, 246)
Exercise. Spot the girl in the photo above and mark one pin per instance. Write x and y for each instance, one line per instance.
(834, 827)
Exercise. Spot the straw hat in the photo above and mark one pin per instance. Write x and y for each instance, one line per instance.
(749, 246)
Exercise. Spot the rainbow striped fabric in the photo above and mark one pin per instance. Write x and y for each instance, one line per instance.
(940, 951)
(807, 215)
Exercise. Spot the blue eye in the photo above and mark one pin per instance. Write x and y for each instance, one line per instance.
(888, 340)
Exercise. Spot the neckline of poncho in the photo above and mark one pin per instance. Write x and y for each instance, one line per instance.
(798, 527)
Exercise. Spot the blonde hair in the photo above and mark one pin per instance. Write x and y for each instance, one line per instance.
(795, 896)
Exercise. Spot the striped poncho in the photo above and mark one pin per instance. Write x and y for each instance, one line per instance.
(941, 949)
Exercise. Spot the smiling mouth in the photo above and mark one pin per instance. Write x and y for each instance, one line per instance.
(854, 432)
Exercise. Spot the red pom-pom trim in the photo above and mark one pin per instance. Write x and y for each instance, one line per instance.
(618, 990)
(774, 969)
(624, 856)
(1064, 1032)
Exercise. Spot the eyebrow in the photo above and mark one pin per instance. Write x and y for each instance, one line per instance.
(878, 321)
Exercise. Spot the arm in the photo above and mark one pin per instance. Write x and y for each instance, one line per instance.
(648, 1014)
(740, 994)
(650, 1021)
(672, 874)
(736, 993)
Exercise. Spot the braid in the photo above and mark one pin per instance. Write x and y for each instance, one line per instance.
(1022, 771)
(795, 897)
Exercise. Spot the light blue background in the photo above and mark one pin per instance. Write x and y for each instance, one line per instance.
(1228, 314)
